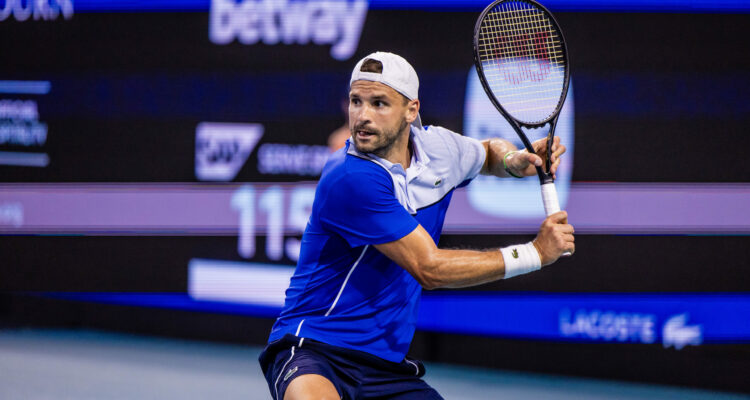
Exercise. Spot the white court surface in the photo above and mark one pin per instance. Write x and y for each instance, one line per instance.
(64, 364)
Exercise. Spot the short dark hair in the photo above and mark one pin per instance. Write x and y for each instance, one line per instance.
(370, 65)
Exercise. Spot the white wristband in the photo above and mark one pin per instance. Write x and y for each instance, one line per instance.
(520, 259)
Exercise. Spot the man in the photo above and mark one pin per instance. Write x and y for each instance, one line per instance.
(370, 244)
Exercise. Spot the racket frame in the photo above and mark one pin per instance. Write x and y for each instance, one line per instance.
(544, 176)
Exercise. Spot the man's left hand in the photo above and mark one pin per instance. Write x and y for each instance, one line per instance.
(524, 162)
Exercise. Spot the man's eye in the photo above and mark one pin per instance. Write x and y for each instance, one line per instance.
(379, 103)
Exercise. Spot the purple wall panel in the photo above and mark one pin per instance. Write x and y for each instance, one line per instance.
(195, 209)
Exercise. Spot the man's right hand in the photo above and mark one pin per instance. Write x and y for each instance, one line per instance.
(555, 238)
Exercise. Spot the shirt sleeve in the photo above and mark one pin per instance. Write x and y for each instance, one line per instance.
(470, 154)
(363, 209)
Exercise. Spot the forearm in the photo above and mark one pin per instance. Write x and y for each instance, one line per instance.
(496, 150)
(433, 267)
(438, 268)
(462, 268)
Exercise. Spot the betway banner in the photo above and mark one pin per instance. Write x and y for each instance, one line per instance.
(283, 22)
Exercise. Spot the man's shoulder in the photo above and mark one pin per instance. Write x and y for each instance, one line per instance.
(344, 171)
(351, 184)
(451, 154)
(432, 130)
(436, 141)
(436, 138)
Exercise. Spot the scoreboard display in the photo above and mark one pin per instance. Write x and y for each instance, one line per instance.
(165, 154)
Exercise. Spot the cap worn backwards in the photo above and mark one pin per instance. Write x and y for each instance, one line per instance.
(397, 73)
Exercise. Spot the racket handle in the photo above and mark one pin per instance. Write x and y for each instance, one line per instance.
(551, 203)
(549, 198)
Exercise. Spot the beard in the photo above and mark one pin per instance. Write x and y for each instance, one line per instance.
(379, 142)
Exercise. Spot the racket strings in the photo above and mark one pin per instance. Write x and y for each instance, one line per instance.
(523, 60)
(519, 23)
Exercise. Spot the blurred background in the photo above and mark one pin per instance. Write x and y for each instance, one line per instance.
(158, 161)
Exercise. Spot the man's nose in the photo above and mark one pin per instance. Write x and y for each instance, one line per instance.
(364, 114)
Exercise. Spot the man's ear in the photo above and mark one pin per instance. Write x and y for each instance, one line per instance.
(412, 110)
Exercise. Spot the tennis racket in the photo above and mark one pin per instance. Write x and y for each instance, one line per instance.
(522, 62)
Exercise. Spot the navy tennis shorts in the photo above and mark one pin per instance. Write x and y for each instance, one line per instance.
(355, 374)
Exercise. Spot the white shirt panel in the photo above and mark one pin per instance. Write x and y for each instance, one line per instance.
(441, 160)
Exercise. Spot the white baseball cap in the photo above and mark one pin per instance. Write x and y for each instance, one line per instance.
(397, 73)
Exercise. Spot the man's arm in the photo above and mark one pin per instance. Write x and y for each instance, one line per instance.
(438, 268)
(521, 163)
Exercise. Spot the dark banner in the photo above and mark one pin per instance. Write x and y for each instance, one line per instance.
(120, 97)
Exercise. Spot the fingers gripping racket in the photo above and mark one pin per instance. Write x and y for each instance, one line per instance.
(522, 62)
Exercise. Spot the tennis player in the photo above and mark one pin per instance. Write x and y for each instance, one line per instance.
(370, 244)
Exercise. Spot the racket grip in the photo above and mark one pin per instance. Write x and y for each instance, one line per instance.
(551, 203)
(549, 198)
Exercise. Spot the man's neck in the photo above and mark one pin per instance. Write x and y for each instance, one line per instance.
(401, 151)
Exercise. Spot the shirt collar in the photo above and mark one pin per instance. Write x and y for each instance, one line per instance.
(418, 157)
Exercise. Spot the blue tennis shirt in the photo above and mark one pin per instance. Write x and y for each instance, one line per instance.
(344, 292)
